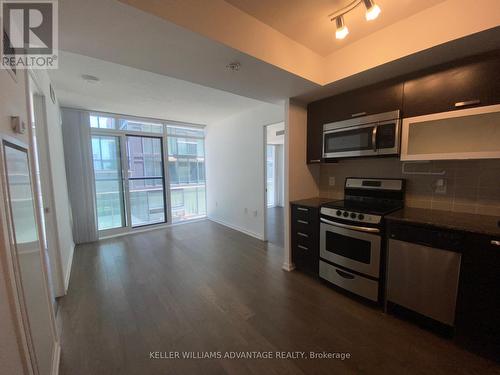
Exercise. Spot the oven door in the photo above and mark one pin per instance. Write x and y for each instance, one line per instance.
(354, 249)
(349, 142)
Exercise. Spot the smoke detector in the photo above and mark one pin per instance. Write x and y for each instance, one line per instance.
(234, 66)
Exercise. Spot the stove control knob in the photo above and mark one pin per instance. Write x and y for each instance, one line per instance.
(361, 217)
(353, 215)
(339, 213)
(346, 213)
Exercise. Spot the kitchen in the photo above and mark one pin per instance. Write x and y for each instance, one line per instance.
(408, 215)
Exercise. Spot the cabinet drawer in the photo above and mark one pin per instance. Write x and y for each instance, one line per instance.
(304, 236)
(304, 213)
(303, 226)
(354, 283)
(303, 248)
(305, 258)
(306, 240)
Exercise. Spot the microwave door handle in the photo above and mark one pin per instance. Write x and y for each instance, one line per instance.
(374, 138)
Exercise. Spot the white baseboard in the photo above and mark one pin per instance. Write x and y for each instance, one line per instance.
(68, 269)
(151, 228)
(288, 266)
(239, 229)
(56, 359)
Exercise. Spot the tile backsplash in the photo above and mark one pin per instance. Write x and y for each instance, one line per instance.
(469, 185)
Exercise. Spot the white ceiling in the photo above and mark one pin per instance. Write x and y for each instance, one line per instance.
(142, 56)
(112, 31)
(136, 92)
(307, 22)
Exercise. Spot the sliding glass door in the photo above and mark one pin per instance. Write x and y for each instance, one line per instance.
(108, 182)
(137, 196)
(145, 180)
(146, 172)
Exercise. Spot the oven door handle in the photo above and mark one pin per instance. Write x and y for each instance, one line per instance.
(374, 138)
(353, 227)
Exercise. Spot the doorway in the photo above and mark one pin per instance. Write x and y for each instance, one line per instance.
(274, 176)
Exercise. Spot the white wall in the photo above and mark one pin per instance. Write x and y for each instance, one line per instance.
(55, 190)
(235, 168)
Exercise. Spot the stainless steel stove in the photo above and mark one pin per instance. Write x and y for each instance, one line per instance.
(351, 234)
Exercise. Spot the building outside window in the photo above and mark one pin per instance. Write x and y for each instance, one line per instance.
(108, 181)
(130, 179)
(186, 167)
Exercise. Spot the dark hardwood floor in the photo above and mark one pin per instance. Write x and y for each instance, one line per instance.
(203, 287)
(276, 225)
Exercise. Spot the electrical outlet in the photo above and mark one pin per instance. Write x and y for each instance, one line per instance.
(331, 181)
(440, 186)
(255, 213)
(246, 210)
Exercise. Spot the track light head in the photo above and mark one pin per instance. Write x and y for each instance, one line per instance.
(372, 10)
(342, 29)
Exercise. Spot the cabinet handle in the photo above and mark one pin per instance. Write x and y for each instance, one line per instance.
(303, 209)
(495, 243)
(467, 103)
(358, 114)
(315, 161)
(302, 247)
(303, 234)
(303, 222)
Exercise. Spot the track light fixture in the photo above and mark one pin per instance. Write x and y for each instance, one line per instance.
(342, 29)
(372, 12)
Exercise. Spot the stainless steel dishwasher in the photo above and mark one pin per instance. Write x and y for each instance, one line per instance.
(423, 269)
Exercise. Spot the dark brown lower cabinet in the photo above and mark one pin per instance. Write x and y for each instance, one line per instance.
(305, 239)
(478, 305)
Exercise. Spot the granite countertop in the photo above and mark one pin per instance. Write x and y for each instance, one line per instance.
(315, 202)
(482, 224)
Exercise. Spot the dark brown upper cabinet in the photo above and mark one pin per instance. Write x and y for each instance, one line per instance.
(384, 97)
(463, 84)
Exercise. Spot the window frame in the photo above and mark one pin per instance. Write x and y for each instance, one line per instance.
(123, 198)
(127, 228)
(202, 128)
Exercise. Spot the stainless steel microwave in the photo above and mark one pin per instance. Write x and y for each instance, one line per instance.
(363, 136)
